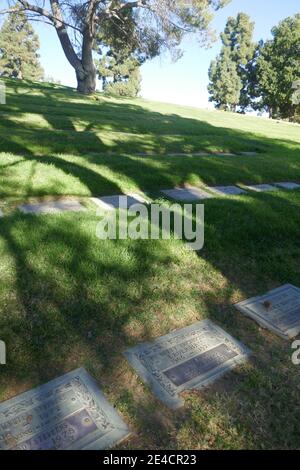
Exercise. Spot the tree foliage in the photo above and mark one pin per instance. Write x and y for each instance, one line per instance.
(160, 24)
(228, 74)
(18, 49)
(121, 55)
(120, 75)
(225, 84)
(276, 69)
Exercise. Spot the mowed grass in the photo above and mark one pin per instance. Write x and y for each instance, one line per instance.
(68, 299)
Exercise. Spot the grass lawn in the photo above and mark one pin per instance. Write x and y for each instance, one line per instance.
(68, 299)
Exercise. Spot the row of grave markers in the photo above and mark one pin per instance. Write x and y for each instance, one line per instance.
(71, 413)
(186, 194)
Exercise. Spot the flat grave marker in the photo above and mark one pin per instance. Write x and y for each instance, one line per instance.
(186, 194)
(223, 154)
(248, 154)
(189, 358)
(53, 207)
(288, 185)
(227, 190)
(278, 310)
(68, 413)
(259, 188)
(114, 202)
(189, 154)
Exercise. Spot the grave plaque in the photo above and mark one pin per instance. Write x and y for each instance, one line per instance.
(288, 185)
(248, 154)
(110, 203)
(53, 207)
(185, 359)
(224, 154)
(68, 413)
(259, 188)
(186, 194)
(278, 310)
(227, 190)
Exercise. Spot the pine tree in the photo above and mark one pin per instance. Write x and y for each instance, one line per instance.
(276, 68)
(238, 37)
(232, 64)
(18, 49)
(120, 75)
(225, 84)
(121, 55)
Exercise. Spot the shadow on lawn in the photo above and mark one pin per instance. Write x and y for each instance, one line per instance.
(89, 150)
(77, 301)
(70, 300)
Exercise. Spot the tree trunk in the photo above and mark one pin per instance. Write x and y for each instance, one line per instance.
(86, 81)
(271, 112)
(84, 67)
(86, 73)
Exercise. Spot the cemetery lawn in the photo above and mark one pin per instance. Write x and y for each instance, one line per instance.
(69, 300)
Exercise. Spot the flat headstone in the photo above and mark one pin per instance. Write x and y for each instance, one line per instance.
(224, 154)
(68, 413)
(259, 188)
(190, 154)
(227, 190)
(52, 207)
(278, 310)
(248, 154)
(116, 202)
(288, 185)
(186, 194)
(189, 358)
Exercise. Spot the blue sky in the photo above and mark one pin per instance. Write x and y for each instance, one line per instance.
(184, 82)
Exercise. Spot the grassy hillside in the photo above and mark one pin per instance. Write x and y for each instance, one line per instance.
(68, 299)
(57, 142)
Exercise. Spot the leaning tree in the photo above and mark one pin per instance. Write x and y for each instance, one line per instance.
(77, 23)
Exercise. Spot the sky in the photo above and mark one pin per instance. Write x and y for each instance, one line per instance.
(184, 82)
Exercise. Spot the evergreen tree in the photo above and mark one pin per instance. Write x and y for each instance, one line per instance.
(120, 76)
(276, 69)
(18, 49)
(225, 84)
(232, 64)
(238, 37)
(122, 55)
(162, 23)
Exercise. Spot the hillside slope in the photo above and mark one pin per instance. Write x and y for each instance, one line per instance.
(61, 143)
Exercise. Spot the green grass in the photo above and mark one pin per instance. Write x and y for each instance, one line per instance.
(68, 299)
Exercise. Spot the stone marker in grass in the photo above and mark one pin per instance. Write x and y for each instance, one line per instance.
(259, 188)
(189, 358)
(227, 190)
(223, 154)
(278, 310)
(68, 413)
(114, 202)
(288, 185)
(248, 154)
(52, 207)
(186, 194)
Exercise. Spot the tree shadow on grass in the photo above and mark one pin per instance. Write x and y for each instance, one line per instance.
(71, 300)
(64, 150)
